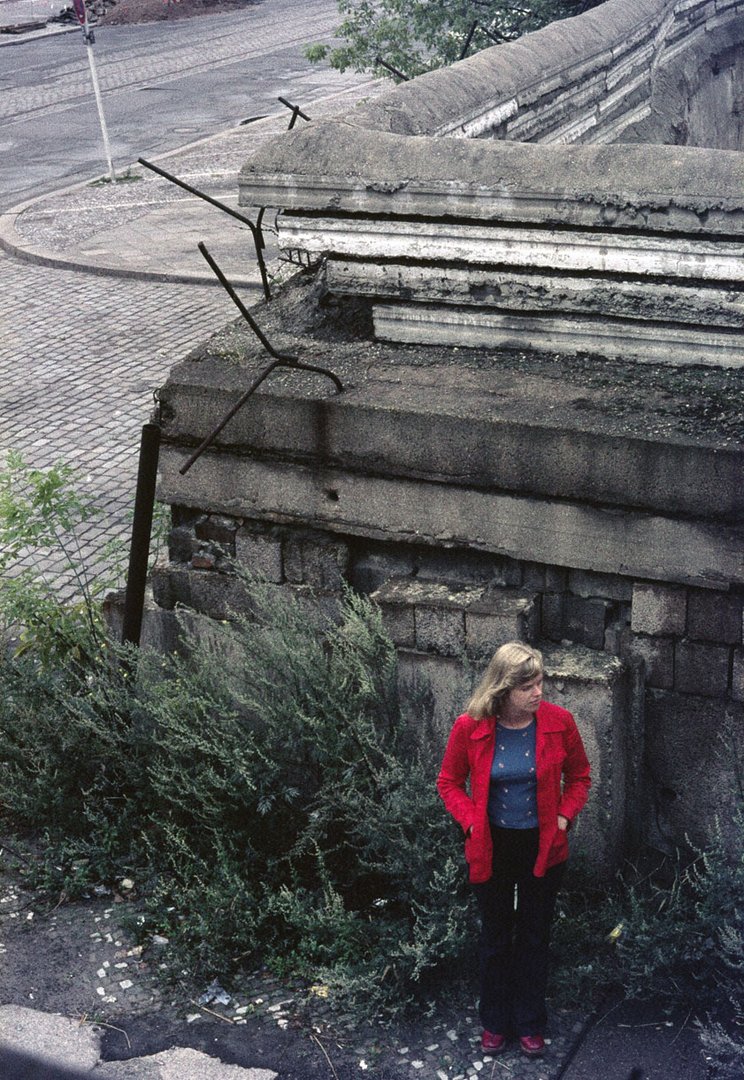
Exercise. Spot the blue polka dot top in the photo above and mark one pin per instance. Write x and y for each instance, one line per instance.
(512, 797)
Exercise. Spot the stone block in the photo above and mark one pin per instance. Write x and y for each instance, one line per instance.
(601, 586)
(657, 657)
(500, 616)
(552, 616)
(701, 669)
(370, 567)
(159, 632)
(260, 553)
(533, 576)
(218, 529)
(460, 565)
(714, 616)
(181, 544)
(400, 625)
(596, 689)
(440, 630)
(688, 741)
(218, 595)
(316, 561)
(584, 621)
(556, 579)
(659, 609)
(439, 687)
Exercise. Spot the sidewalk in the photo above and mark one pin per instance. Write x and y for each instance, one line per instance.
(147, 228)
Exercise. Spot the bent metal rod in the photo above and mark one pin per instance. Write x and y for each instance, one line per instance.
(281, 359)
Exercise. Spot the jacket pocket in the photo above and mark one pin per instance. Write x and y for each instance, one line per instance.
(559, 845)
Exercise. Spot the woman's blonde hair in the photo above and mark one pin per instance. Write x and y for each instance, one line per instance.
(512, 665)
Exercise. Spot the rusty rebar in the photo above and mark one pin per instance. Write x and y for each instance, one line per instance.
(281, 359)
(256, 230)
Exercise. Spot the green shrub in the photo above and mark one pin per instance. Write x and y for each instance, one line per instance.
(269, 790)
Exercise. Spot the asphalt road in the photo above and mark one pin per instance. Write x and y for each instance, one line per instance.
(163, 84)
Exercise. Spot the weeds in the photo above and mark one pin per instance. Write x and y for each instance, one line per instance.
(271, 791)
(266, 790)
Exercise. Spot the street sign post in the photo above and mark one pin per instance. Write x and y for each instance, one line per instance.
(81, 13)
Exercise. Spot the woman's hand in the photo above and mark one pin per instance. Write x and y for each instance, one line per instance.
(562, 822)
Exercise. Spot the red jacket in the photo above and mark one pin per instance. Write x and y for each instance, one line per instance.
(563, 783)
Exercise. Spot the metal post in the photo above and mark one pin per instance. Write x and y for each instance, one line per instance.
(99, 103)
(139, 551)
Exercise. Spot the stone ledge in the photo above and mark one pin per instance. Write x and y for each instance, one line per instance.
(450, 618)
(522, 291)
(489, 429)
(635, 545)
(620, 339)
(336, 167)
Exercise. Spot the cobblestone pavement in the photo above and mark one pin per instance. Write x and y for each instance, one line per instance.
(80, 357)
(130, 61)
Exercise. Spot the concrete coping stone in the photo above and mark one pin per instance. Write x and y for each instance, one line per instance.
(569, 50)
(576, 663)
(53, 1039)
(335, 167)
(480, 599)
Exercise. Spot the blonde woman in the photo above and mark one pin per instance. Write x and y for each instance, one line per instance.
(514, 775)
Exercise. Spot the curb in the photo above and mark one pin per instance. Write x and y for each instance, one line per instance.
(34, 35)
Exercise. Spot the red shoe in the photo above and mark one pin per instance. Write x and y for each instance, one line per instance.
(532, 1045)
(494, 1044)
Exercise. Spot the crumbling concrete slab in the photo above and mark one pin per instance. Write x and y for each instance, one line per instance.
(52, 1039)
(179, 1064)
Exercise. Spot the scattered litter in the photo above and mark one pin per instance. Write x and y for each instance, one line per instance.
(215, 995)
(193, 1017)
(126, 984)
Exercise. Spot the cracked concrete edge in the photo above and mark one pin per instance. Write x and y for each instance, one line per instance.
(50, 1038)
(39, 1044)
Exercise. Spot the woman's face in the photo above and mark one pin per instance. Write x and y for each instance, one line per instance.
(527, 696)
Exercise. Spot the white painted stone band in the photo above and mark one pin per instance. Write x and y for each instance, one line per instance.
(522, 292)
(471, 328)
(446, 242)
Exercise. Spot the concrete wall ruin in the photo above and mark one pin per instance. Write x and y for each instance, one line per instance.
(426, 201)
(475, 496)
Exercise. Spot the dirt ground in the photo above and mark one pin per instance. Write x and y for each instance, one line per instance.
(82, 959)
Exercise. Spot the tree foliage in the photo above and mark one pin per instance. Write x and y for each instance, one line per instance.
(414, 36)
